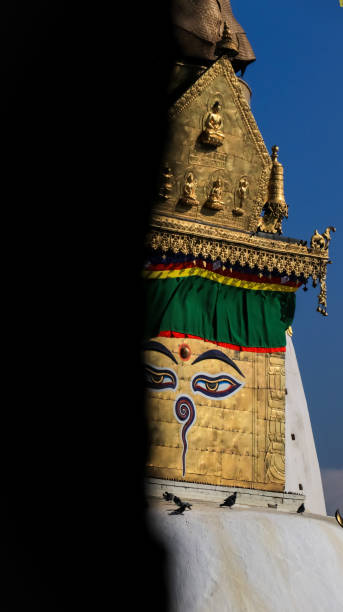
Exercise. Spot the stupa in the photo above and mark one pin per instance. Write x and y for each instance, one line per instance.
(226, 410)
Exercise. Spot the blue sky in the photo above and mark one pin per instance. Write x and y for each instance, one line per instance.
(297, 102)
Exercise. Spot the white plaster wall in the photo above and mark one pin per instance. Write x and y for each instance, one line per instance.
(250, 560)
(302, 465)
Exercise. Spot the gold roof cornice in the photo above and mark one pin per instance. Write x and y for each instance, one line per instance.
(237, 247)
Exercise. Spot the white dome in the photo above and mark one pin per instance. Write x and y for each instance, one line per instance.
(249, 560)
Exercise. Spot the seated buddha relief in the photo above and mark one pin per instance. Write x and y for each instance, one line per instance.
(214, 200)
(212, 133)
(189, 197)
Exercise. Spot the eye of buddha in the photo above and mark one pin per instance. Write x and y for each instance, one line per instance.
(158, 380)
(217, 387)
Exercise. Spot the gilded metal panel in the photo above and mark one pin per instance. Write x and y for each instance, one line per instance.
(237, 439)
(214, 142)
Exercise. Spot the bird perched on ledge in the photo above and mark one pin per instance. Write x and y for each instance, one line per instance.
(170, 497)
(182, 507)
(230, 501)
(180, 503)
(301, 509)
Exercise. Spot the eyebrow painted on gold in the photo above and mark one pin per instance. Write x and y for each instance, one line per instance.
(215, 354)
(160, 348)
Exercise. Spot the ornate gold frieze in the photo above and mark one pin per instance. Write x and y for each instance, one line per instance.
(243, 248)
(181, 236)
(275, 438)
(322, 298)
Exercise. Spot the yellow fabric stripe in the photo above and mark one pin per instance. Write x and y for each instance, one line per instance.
(218, 278)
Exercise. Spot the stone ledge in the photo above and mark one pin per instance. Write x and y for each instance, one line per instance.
(284, 502)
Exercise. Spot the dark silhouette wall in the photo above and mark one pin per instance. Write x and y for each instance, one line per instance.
(76, 185)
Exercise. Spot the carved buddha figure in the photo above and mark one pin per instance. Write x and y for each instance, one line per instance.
(214, 200)
(188, 197)
(212, 133)
(242, 193)
(243, 190)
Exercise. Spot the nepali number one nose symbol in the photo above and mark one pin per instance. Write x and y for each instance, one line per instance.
(185, 413)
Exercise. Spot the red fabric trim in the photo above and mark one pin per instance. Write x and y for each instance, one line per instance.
(275, 280)
(235, 347)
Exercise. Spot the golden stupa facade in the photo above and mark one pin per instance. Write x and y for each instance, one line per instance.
(221, 282)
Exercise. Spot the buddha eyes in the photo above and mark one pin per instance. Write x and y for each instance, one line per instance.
(217, 386)
(159, 379)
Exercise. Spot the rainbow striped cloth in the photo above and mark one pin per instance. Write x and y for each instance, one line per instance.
(229, 306)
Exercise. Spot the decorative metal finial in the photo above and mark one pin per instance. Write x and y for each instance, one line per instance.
(276, 193)
(166, 185)
(320, 244)
(275, 153)
(275, 208)
(228, 45)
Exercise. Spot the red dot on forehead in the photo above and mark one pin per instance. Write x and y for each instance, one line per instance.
(184, 352)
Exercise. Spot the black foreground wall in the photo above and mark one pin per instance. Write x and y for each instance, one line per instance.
(72, 168)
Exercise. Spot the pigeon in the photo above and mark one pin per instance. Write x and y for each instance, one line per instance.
(180, 509)
(170, 497)
(180, 503)
(339, 518)
(230, 501)
(301, 509)
(177, 500)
